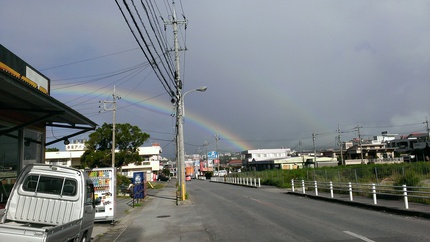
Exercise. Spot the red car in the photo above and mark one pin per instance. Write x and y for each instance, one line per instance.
(188, 178)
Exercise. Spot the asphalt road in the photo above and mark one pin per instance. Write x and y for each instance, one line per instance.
(222, 212)
(233, 213)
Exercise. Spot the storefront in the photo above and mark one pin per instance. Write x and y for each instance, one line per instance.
(26, 111)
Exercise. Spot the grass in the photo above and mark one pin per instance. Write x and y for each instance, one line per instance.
(416, 174)
(406, 173)
(156, 185)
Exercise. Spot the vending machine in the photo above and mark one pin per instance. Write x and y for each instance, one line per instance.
(104, 180)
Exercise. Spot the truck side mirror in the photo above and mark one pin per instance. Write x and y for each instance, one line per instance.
(97, 201)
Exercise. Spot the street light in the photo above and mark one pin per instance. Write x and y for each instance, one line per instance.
(180, 139)
(200, 89)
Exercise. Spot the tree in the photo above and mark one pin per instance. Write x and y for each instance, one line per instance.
(99, 146)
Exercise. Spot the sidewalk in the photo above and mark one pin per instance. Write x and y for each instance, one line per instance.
(124, 214)
(158, 219)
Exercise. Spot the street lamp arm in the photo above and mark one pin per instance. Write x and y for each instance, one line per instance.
(200, 89)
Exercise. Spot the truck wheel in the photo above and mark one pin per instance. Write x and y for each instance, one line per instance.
(85, 237)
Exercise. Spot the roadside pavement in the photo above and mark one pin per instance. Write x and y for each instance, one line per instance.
(158, 219)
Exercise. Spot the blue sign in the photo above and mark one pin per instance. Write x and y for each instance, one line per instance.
(212, 155)
(138, 177)
(139, 185)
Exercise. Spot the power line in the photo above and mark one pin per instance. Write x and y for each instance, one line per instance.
(148, 49)
(89, 59)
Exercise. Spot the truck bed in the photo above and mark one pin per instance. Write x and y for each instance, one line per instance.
(19, 231)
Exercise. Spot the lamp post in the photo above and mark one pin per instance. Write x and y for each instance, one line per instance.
(180, 139)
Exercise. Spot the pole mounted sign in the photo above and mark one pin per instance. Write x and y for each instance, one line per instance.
(212, 155)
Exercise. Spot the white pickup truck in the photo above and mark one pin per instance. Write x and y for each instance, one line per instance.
(49, 203)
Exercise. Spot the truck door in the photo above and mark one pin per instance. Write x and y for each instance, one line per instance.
(89, 210)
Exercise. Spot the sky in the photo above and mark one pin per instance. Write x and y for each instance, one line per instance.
(277, 71)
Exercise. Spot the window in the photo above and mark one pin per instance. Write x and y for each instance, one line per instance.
(33, 151)
(89, 199)
(50, 185)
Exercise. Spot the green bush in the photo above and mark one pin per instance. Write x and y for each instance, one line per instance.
(122, 180)
(271, 182)
(410, 178)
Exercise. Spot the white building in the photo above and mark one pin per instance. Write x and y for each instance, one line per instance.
(264, 158)
(71, 157)
(264, 154)
(149, 162)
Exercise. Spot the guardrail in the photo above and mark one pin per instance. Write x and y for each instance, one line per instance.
(243, 181)
(371, 190)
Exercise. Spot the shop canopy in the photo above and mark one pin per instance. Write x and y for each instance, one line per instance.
(30, 106)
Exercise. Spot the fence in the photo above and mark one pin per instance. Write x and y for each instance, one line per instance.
(244, 181)
(375, 174)
(379, 174)
(367, 190)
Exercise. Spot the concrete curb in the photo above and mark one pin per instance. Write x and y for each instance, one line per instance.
(375, 207)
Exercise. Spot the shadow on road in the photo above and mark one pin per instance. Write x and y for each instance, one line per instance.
(164, 197)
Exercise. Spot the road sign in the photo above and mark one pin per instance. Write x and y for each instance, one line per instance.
(212, 155)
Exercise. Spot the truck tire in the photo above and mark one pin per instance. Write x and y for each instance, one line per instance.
(85, 237)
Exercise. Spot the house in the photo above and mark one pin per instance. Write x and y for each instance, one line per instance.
(369, 151)
(149, 163)
(235, 165)
(406, 144)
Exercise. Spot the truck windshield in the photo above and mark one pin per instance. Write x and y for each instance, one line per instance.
(50, 185)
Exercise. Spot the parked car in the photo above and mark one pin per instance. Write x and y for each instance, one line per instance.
(163, 177)
(222, 173)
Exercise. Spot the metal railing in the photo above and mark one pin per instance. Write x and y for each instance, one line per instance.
(367, 190)
(243, 181)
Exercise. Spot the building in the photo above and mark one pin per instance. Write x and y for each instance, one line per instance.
(408, 143)
(369, 151)
(264, 159)
(71, 157)
(149, 163)
(235, 165)
(26, 110)
(150, 159)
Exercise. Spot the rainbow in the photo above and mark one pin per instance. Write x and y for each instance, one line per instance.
(156, 105)
(291, 103)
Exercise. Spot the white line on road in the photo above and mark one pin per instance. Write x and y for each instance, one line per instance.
(358, 236)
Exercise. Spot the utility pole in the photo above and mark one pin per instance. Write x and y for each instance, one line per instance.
(216, 141)
(359, 143)
(315, 150)
(339, 140)
(179, 104)
(428, 130)
(113, 109)
(205, 144)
